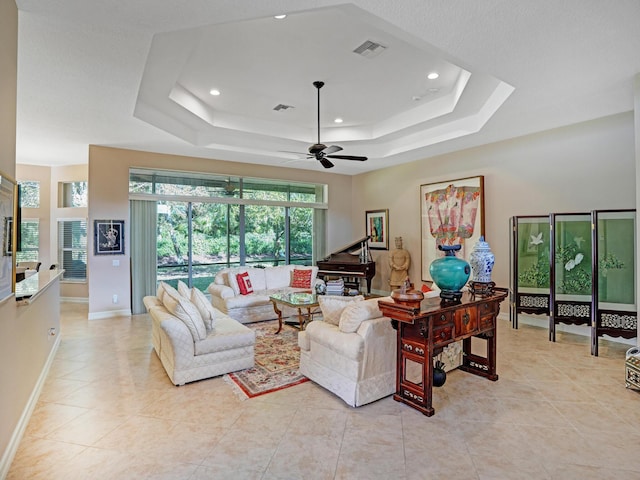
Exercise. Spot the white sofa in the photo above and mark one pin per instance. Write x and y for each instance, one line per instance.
(227, 297)
(351, 351)
(195, 341)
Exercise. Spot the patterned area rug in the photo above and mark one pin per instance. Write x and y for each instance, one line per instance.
(277, 360)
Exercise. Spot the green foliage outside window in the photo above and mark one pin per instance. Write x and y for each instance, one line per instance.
(29, 194)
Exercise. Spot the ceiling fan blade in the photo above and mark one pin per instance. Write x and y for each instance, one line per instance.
(331, 149)
(325, 163)
(348, 157)
(298, 155)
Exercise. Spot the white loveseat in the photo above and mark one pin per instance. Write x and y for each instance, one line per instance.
(256, 306)
(194, 340)
(352, 351)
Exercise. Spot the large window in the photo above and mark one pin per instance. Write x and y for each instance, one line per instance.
(208, 222)
(30, 240)
(72, 249)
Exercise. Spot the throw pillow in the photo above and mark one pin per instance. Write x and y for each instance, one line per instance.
(301, 278)
(356, 313)
(188, 313)
(160, 291)
(244, 283)
(333, 305)
(169, 291)
(183, 289)
(207, 312)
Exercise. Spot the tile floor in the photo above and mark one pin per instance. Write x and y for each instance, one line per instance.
(108, 411)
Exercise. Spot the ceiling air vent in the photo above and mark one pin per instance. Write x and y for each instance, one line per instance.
(282, 106)
(370, 49)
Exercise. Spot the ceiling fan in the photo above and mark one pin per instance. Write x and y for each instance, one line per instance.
(321, 152)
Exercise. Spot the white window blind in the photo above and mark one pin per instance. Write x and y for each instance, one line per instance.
(30, 240)
(72, 249)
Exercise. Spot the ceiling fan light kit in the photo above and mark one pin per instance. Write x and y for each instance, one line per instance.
(320, 151)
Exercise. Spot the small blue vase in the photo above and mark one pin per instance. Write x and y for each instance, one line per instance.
(450, 273)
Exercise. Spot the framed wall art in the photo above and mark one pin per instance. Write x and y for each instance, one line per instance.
(377, 227)
(452, 213)
(108, 237)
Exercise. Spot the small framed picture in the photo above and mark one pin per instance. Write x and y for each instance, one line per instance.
(108, 237)
(378, 229)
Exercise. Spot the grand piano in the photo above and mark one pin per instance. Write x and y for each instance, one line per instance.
(350, 262)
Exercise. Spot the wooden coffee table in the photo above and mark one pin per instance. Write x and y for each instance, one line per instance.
(306, 300)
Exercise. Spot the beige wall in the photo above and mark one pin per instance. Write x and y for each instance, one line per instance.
(15, 388)
(573, 169)
(26, 347)
(109, 194)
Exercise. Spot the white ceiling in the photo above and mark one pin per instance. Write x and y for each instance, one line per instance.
(137, 74)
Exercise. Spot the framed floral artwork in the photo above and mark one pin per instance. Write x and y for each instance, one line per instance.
(452, 213)
(377, 228)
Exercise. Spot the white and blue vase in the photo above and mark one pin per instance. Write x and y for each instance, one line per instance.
(481, 261)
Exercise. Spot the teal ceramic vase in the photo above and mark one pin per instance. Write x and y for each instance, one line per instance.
(450, 273)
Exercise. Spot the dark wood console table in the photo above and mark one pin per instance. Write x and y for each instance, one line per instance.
(425, 328)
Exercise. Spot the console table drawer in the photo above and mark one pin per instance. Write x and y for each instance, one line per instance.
(442, 318)
(442, 334)
(466, 320)
(487, 322)
(488, 308)
(413, 347)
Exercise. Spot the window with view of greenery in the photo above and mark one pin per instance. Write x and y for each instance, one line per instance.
(30, 240)
(72, 249)
(29, 194)
(219, 222)
(72, 194)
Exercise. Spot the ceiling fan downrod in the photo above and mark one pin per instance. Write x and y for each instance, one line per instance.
(318, 85)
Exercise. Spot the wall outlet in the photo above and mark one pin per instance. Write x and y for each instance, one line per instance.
(115, 298)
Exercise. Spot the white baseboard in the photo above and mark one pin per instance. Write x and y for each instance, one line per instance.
(110, 314)
(16, 437)
(74, 299)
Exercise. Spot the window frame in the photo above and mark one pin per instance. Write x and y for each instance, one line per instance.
(69, 274)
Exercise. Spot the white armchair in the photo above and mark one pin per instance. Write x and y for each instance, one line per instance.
(355, 358)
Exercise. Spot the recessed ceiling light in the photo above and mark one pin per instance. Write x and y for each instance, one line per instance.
(433, 76)
(338, 120)
(279, 17)
(214, 92)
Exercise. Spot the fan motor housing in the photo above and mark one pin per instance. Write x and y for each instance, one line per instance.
(316, 148)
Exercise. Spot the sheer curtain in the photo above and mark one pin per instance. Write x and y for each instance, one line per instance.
(143, 252)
